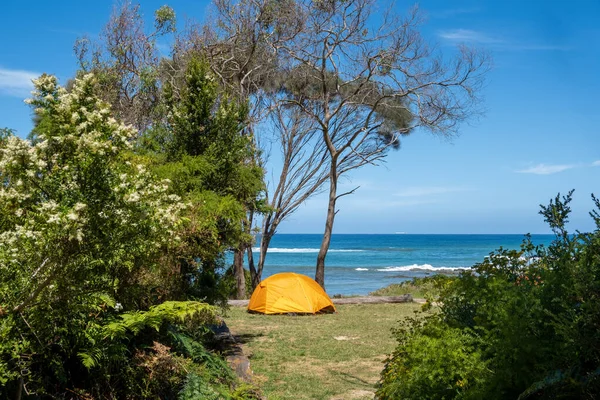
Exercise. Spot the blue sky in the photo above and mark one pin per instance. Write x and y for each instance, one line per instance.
(539, 134)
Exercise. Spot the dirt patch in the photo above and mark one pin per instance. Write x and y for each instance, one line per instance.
(345, 337)
(355, 395)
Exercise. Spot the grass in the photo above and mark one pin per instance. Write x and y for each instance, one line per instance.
(419, 287)
(328, 356)
(397, 289)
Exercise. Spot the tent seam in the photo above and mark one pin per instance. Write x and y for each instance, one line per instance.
(312, 306)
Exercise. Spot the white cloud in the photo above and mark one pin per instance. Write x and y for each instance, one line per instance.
(596, 163)
(423, 191)
(498, 43)
(468, 36)
(15, 82)
(543, 169)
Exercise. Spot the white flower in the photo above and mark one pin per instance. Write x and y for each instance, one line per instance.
(133, 197)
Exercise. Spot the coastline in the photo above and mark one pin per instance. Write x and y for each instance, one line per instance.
(359, 264)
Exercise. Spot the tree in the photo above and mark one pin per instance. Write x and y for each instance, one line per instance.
(235, 45)
(126, 62)
(202, 148)
(366, 80)
(303, 172)
(144, 90)
(240, 46)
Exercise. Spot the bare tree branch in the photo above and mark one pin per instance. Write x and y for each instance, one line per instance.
(367, 81)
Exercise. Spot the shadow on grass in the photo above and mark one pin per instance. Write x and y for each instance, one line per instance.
(352, 379)
(246, 337)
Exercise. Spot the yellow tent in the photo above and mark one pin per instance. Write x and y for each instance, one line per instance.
(288, 292)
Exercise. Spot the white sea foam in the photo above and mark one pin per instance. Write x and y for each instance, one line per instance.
(361, 269)
(304, 250)
(416, 267)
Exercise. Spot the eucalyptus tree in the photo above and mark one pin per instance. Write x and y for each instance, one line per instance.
(126, 60)
(366, 79)
(303, 172)
(240, 46)
(235, 43)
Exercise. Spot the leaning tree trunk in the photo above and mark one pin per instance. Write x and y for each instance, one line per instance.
(251, 265)
(320, 273)
(265, 240)
(238, 272)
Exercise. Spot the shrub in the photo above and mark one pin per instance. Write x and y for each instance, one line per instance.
(428, 287)
(82, 230)
(521, 324)
(433, 361)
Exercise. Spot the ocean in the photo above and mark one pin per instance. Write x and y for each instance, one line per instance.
(358, 264)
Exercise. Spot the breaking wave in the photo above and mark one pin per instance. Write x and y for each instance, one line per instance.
(418, 267)
(304, 250)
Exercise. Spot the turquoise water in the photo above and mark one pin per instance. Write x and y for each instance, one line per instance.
(359, 264)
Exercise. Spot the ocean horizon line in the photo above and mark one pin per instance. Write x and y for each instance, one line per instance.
(409, 233)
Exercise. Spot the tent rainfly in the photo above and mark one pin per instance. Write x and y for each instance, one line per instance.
(288, 292)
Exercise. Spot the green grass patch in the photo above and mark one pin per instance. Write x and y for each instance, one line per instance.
(328, 356)
(428, 287)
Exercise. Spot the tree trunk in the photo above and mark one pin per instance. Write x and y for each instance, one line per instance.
(19, 389)
(249, 253)
(265, 240)
(320, 272)
(251, 266)
(238, 272)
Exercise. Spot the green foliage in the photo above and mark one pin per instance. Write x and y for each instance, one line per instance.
(214, 379)
(5, 133)
(428, 287)
(126, 62)
(169, 311)
(230, 283)
(195, 388)
(531, 317)
(202, 148)
(86, 240)
(434, 361)
(164, 19)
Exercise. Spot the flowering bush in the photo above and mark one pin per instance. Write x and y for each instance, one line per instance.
(78, 223)
(71, 209)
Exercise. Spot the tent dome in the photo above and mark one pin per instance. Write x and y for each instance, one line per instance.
(288, 292)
